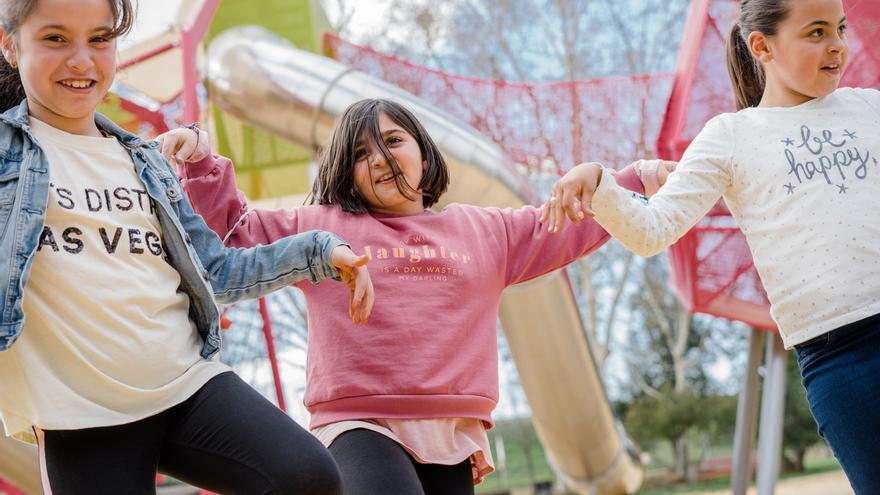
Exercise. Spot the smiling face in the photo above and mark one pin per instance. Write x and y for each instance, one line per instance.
(376, 181)
(65, 52)
(807, 56)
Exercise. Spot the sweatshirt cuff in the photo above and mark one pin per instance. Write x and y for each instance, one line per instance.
(610, 199)
(628, 178)
(201, 168)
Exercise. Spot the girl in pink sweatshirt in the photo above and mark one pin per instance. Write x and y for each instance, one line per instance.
(404, 400)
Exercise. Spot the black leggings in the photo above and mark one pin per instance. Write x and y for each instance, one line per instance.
(373, 464)
(226, 438)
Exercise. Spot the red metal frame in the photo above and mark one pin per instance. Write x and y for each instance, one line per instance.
(668, 146)
(193, 32)
(270, 349)
(190, 36)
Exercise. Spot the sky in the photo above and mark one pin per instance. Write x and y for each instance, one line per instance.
(368, 17)
(151, 20)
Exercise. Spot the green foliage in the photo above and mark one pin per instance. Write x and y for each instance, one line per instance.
(525, 460)
(669, 417)
(720, 411)
(799, 432)
(300, 21)
(267, 166)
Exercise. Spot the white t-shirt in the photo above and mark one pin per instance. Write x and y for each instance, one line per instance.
(107, 338)
(802, 182)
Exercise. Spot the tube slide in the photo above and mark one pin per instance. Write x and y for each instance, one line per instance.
(265, 81)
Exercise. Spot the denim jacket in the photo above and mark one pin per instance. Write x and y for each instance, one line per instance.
(208, 270)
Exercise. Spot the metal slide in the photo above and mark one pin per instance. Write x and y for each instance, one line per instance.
(262, 79)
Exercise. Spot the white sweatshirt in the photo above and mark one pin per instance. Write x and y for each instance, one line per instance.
(802, 182)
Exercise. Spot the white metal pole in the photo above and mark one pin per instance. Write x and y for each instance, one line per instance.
(772, 412)
(747, 417)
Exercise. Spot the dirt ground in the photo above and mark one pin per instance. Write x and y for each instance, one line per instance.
(830, 483)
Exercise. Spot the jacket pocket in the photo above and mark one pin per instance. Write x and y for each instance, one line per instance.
(9, 174)
(8, 184)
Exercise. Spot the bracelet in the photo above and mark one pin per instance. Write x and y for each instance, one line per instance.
(195, 127)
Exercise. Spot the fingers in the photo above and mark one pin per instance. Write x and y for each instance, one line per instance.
(572, 196)
(666, 167)
(353, 272)
(344, 257)
(361, 296)
(586, 202)
(545, 212)
(571, 205)
(169, 144)
(357, 261)
(184, 145)
(648, 172)
(566, 203)
(203, 147)
(555, 210)
(187, 145)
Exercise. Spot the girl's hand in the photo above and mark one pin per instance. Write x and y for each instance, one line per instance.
(353, 272)
(184, 144)
(653, 173)
(571, 196)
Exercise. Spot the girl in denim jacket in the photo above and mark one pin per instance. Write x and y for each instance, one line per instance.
(108, 281)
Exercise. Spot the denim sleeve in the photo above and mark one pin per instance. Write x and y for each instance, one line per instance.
(246, 273)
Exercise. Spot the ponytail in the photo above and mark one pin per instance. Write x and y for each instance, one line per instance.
(745, 71)
(11, 89)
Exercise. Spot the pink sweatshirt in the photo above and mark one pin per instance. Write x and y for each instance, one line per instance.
(429, 348)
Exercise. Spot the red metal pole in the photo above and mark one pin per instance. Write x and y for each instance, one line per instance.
(150, 54)
(190, 38)
(686, 69)
(270, 348)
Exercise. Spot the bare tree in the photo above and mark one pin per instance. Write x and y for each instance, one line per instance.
(669, 356)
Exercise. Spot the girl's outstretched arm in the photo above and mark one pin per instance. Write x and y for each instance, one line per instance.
(643, 226)
(532, 251)
(572, 193)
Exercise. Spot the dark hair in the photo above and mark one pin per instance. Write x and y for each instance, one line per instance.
(746, 72)
(14, 12)
(335, 182)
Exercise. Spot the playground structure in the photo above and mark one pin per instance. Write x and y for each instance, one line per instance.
(711, 266)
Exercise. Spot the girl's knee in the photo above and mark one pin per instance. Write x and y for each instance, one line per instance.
(319, 476)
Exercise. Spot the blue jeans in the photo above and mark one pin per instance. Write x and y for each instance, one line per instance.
(841, 373)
